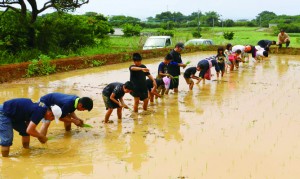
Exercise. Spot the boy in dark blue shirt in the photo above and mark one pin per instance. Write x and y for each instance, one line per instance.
(113, 98)
(23, 115)
(68, 104)
(138, 73)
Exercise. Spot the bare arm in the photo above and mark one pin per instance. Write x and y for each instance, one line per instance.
(31, 130)
(112, 97)
(153, 80)
(139, 69)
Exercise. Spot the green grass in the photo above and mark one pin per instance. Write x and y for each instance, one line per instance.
(242, 35)
(112, 45)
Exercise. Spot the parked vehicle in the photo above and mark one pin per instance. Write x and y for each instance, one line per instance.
(157, 42)
(199, 42)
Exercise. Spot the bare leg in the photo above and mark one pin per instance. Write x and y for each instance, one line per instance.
(136, 104)
(119, 113)
(167, 91)
(5, 151)
(67, 126)
(107, 115)
(25, 141)
(176, 90)
(145, 105)
(151, 96)
(191, 85)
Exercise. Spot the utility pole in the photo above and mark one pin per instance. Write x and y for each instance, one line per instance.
(198, 23)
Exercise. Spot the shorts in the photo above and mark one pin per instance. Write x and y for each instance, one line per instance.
(109, 103)
(6, 129)
(222, 66)
(174, 83)
(140, 93)
(189, 80)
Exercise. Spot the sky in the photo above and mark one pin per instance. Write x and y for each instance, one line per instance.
(230, 9)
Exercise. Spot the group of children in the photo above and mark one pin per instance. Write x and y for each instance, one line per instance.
(167, 77)
(24, 115)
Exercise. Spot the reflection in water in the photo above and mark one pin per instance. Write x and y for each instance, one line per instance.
(243, 126)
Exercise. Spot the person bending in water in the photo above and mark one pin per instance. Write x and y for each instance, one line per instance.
(204, 66)
(68, 104)
(189, 75)
(113, 98)
(23, 115)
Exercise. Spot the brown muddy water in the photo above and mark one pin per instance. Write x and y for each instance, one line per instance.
(245, 126)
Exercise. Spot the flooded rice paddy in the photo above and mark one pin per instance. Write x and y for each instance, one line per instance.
(245, 125)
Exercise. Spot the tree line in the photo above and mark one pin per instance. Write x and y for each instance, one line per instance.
(27, 33)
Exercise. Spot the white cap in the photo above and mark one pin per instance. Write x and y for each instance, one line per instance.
(56, 110)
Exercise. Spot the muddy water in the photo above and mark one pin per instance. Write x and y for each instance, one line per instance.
(244, 126)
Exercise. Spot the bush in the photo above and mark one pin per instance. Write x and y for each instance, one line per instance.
(228, 35)
(197, 34)
(40, 67)
(131, 30)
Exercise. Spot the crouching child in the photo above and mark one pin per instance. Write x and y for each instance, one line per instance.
(113, 98)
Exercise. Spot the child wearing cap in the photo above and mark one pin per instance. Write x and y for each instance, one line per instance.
(174, 69)
(138, 74)
(68, 104)
(23, 115)
(112, 96)
(189, 74)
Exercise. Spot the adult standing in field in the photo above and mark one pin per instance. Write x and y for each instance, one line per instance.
(174, 70)
(283, 37)
(23, 115)
(138, 73)
(266, 44)
(68, 104)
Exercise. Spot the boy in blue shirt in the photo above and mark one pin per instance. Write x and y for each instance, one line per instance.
(113, 98)
(23, 115)
(68, 104)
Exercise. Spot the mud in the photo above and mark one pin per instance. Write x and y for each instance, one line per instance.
(245, 125)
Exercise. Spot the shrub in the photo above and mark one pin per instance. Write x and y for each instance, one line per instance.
(228, 35)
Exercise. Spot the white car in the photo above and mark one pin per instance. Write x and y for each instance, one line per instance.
(157, 42)
(199, 42)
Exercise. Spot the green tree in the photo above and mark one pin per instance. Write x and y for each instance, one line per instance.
(121, 20)
(131, 30)
(13, 34)
(58, 32)
(211, 18)
(263, 19)
(21, 8)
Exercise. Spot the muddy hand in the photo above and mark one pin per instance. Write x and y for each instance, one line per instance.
(43, 139)
(78, 122)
